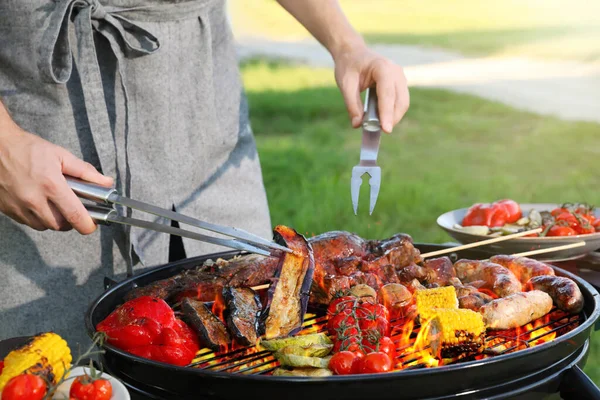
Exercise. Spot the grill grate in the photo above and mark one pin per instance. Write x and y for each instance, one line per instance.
(252, 360)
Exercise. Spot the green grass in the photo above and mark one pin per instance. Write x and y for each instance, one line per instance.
(535, 28)
(450, 151)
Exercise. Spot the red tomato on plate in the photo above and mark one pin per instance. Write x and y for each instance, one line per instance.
(84, 388)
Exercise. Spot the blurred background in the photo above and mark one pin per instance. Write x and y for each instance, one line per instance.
(505, 103)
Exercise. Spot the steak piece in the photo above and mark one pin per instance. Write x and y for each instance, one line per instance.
(242, 312)
(439, 271)
(210, 329)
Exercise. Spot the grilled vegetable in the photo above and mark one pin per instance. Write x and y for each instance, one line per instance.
(243, 310)
(456, 331)
(315, 372)
(302, 341)
(46, 354)
(564, 292)
(363, 290)
(428, 300)
(210, 329)
(291, 360)
(288, 295)
(314, 350)
(516, 310)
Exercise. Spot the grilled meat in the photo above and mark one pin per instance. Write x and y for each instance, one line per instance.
(211, 330)
(288, 296)
(523, 268)
(516, 310)
(469, 296)
(496, 278)
(438, 271)
(564, 292)
(242, 314)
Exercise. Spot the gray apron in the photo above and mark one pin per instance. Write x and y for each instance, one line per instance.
(149, 92)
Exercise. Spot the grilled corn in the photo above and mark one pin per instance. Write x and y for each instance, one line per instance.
(47, 354)
(428, 300)
(454, 332)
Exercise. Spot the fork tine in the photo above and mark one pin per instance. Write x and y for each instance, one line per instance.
(375, 183)
(355, 184)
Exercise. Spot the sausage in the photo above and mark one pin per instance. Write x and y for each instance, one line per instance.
(564, 292)
(496, 278)
(523, 268)
(516, 310)
(474, 301)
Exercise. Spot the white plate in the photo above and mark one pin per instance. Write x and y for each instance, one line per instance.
(592, 241)
(119, 392)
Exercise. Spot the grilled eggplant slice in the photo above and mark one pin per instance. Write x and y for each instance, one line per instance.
(210, 329)
(300, 341)
(243, 310)
(288, 295)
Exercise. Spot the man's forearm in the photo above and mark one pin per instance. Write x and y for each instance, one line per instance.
(326, 21)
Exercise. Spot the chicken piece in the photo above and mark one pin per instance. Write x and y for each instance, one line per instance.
(523, 268)
(564, 292)
(438, 271)
(516, 310)
(498, 279)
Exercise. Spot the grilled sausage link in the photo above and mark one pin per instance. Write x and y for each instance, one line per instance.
(516, 310)
(523, 268)
(496, 278)
(564, 292)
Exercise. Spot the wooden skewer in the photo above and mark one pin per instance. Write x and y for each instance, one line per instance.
(480, 243)
(457, 248)
(550, 249)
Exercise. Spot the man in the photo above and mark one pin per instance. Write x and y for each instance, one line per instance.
(148, 93)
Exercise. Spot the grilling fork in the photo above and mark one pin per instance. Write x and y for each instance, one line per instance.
(368, 153)
(104, 212)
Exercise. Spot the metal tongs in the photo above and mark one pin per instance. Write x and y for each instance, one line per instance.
(368, 153)
(104, 212)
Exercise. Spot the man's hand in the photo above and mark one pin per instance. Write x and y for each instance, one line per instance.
(33, 190)
(360, 68)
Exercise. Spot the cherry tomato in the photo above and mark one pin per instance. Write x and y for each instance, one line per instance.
(558, 230)
(25, 387)
(513, 210)
(83, 388)
(387, 346)
(568, 218)
(357, 364)
(341, 363)
(375, 363)
(597, 225)
(351, 343)
(558, 211)
(340, 323)
(340, 303)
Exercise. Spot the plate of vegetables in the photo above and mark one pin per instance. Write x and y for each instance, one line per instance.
(561, 224)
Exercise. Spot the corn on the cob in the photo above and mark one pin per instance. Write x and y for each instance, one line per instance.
(454, 332)
(47, 354)
(430, 299)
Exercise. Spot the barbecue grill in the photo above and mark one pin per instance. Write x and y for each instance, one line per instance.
(522, 363)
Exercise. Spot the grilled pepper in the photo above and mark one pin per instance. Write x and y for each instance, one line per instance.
(147, 327)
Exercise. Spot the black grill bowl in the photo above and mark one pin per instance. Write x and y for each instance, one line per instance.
(499, 374)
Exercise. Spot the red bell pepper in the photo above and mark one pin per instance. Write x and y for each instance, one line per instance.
(146, 326)
(512, 208)
(485, 215)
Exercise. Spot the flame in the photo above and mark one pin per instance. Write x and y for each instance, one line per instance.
(218, 307)
(488, 292)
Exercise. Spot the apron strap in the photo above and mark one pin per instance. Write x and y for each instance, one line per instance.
(82, 18)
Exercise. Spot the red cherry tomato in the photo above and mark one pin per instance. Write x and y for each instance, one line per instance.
(341, 363)
(83, 388)
(1, 366)
(339, 304)
(357, 364)
(558, 230)
(351, 343)
(387, 346)
(25, 387)
(558, 211)
(376, 362)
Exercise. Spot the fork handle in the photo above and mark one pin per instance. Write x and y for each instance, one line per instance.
(371, 114)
